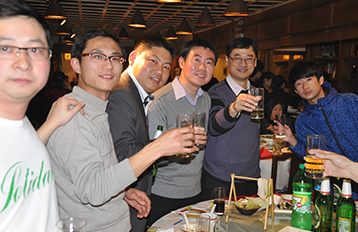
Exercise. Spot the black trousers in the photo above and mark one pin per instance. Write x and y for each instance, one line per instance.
(208, 183)
(161, 206)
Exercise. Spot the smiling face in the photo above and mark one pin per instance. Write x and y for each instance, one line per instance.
(240, 72)
(277, 110)
(197, 69)
(22, 78)
(98, 77)
(310, 89)
(151, 67)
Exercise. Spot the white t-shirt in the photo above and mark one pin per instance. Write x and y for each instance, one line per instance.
(28, 199)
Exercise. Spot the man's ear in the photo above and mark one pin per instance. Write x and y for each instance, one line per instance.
(321, 80)
(181, 62)
(132, 57)
(75, 64)
(227, 60)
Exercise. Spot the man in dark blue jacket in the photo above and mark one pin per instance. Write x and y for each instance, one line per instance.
(326, 112)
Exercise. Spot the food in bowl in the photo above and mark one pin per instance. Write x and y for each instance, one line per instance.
(250, 205)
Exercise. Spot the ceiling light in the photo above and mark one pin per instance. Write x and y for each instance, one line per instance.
(55, 11)
(64, 30)
(171, 35)
(123, 34)
(170, 1)
(68, 39)
(237, 8)
(205, 19)
(184, 28)
(137, 20)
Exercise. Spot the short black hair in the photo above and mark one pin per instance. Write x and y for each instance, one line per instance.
(81, 43)
(303, 70)
(13, 8)
(198, 43)
(241, 42)
(277, 82)
(155, 40)
(271, 104)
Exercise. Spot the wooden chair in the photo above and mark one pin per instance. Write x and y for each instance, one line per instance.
(270, 190)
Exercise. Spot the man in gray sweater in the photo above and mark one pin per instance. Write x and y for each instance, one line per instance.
(90, 182)
(177, 183)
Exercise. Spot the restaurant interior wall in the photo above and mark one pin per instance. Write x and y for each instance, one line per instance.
(301, 23)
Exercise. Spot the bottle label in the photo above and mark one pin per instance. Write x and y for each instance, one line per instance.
(344, 224)
(302, 203)
(317, 217)
(337, 191)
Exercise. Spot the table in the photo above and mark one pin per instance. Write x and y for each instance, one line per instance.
(173, 220)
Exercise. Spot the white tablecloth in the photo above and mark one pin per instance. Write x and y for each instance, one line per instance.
(283, 171)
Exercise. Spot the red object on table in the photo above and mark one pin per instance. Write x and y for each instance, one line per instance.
(265, 154)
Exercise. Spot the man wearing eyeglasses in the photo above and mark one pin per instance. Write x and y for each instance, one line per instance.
(233, 138)
(28, 199)
(90, 182)
(148, 70)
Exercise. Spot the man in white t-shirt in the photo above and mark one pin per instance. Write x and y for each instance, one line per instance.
(27, 194)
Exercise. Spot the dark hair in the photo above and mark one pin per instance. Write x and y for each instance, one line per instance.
(271, 104)
(303, 70)
(259, 67)
(198, 43)
(241, 42)
(12, 8)
(154, 41)
(81, 43)
(277, 82)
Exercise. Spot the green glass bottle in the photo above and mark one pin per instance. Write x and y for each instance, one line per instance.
(324, 208)
(346, 209)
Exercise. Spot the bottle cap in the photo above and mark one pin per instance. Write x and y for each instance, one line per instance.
(302, 166)
(325, 186)
(346, 188)
(160, 127)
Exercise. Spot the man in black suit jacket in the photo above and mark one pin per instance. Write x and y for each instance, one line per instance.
(148, 70)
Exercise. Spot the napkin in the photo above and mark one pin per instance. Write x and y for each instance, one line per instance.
(263, 188)
(265, 154)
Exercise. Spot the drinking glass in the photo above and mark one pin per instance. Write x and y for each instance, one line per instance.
(258, 112)
(71, 225)
(184, 120)
(281, 118)
(314, 166)
(203, 223)
(199, 124)
(220, 194)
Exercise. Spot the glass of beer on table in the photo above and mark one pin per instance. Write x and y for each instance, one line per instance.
(258, 112)
(314, 166)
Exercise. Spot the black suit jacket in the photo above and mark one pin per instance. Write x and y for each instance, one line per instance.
(129, 131)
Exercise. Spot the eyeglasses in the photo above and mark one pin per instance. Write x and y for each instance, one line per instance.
(35, 53)
(238, 60)
(97, 56)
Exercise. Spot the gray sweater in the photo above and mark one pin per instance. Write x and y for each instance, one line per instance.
(180, 178)
(89, 180)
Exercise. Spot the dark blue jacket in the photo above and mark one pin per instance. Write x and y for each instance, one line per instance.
(338, 111)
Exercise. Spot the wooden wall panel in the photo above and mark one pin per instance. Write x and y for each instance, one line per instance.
(311, 19)
(345, 12)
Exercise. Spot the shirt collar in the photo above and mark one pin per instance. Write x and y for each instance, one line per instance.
(143, 94)
(90, 99)
(236, 88)
(179, 92)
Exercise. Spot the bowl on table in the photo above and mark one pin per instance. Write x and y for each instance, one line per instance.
(191, 228)
(286, 197)
(246, 211)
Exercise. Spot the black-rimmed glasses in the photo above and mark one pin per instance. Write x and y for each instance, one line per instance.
(97, 56)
